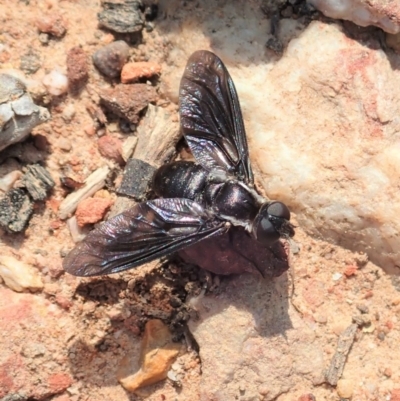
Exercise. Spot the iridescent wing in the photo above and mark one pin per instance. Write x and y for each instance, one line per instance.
(211, 118)
(143, 233)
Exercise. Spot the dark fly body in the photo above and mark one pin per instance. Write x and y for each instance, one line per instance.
(197, 200)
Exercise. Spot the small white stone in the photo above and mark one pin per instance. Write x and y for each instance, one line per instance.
(345, 388)
(172, 376)
(7, 181)
(18, 275)
(56, 83)
(337, 276)
(68, 112)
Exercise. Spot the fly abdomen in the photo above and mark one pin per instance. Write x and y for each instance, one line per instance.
(181, 179)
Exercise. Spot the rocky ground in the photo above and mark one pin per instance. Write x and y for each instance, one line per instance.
(96, 113)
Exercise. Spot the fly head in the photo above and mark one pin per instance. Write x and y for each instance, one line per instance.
(272, 222)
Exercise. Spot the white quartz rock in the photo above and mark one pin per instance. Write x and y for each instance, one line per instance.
(327, 138)
(56, 83)
(323, 124)
(384, 14)
(18, 275)
(18, 114)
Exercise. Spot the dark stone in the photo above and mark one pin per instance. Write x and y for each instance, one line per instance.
(137, 177)
(30, 62)
(110, 59)
(38, 182)
(236, 252)
(122, 16)
(15, 210)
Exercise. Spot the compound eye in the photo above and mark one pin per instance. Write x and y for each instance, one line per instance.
(266, 232)
(279, 209)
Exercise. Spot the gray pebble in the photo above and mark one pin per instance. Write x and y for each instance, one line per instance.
(18, 114)
(30, 62)
(122, 17)
(15, 210)
(110, 59)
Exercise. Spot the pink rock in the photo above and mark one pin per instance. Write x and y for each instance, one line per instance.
(127, 101)
(92, 210)
(52, 23)
(110, 148)
(132, 72)
(77, 67)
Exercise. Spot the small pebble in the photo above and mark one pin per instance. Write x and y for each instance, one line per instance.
(127, 101)
(172, 376)
(110, 148)
(92, 210)
(350, 270)
(30, 62)
(19, 276)
(7, 181)
(89, 130)
(18, 114)
(68, 113)
(77, 68)
(345, 388)
(132, 72)
(41, 142)
(363, 308)
(336, 276)
(52, 24)
(15, 210)
(56, 83)
(149, 26)
(110, 59)
(65, 145)
(44, 38)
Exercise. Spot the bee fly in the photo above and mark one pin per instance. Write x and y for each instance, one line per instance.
(197, 200)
